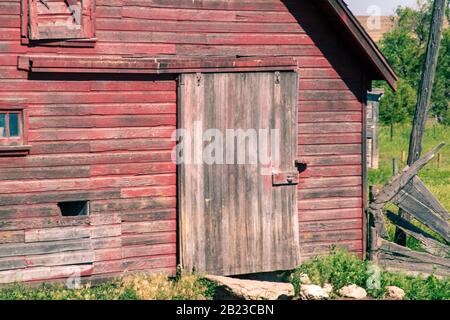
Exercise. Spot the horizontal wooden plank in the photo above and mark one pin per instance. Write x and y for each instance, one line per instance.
(53, 160)
(148, 226)
(12, 263)
(334, 236)
(159, 191)
(149, 215)
(44, 273)
(307, 183)
(329, 106)
(119, 121)
(84, 86)
(316, 248)
(331, 171)
(149, 250)
(329, 149)
(332, 192)
(133, 204)
(318, 139)
(48, 222)
(315, 117)
(105, 243)
(70, 185)
(205, 15)
(12, 236)
(91, 97)
(329, 214)
(148, 264)
(324, 160)
(22, 249)
(99, 134)
(332, 203)
(130, 24)
(149, 238)
(319, 128)
(55, 234)
(330, 225)
(243, 5)
(60, 259)
(105, 219)
(52, 197)
(29, 211)
(106, 231)
(108, 254)
(133, 169)
(45, 173)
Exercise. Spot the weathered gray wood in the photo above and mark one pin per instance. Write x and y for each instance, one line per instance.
(395, 263)
(233, 220)
(415, 256)
(54, 234)
(420, 192)
(12, 236)
(21, 249)
(430, 244)
(419, 202)
(426, 85)
(390, 190)
(44, 273)
(425, 91)
(12, 263)
(60, 259)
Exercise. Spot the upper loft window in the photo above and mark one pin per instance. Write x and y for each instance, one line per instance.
(58, 20)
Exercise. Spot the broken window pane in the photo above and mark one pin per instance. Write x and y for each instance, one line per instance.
(2, 124)
(14, 124)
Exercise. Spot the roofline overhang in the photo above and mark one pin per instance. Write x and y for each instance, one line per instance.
(379, 64)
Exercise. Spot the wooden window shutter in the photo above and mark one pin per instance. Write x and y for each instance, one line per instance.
(61, 19)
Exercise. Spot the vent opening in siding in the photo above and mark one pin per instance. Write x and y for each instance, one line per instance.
(74, 208)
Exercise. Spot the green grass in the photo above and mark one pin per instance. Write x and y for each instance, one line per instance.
(129, 287)
(341, 268)
(436, 177)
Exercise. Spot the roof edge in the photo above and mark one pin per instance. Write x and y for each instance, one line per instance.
(369, 47)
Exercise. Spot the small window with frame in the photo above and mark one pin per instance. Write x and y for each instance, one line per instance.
(11, 127)
(13, 131)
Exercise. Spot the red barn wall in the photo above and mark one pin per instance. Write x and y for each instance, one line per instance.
(107, 138)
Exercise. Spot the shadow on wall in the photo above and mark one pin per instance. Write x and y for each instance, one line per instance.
(330, 40)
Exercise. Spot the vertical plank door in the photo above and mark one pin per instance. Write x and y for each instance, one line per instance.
(239, 217)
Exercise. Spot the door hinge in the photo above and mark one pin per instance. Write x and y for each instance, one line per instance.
(277, 77)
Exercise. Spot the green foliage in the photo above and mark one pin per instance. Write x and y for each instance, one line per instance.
(131, 287)
(396, 107)
(405, 49)
(341, 268)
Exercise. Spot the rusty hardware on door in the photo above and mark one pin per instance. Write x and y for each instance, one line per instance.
(289, 178)
(285, 178)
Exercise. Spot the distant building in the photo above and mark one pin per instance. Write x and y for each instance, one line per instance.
(387, 23)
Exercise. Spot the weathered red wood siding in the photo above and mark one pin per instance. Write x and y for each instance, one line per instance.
(109, 140)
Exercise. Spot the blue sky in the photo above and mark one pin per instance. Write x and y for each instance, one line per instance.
(360, 7)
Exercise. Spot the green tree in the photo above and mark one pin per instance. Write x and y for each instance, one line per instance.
(395, 107)
(405, 48)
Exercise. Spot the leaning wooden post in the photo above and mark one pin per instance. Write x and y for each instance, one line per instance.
(423, 103)
(373, 233)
